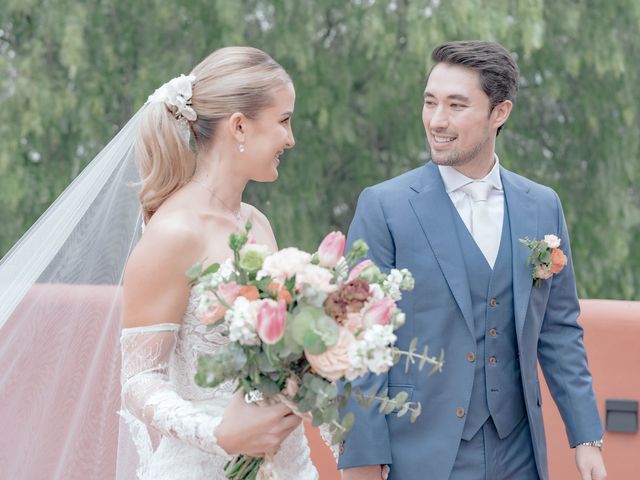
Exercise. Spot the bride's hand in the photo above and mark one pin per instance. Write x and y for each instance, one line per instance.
(254, 430)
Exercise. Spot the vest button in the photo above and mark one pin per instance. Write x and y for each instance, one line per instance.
(493, 332)
(493, 360)
(459, 412)
(493, 302)
(471, 357)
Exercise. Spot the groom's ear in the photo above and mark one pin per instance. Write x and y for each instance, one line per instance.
(500, 113)
(237, 125)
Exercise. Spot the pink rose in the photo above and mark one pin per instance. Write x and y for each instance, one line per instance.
(284, 264)
(334, 364)
(317, 278)
(543, 272)
(359, 268)
(558, 260)
(270, 320)
(331, 249)
(378, 312)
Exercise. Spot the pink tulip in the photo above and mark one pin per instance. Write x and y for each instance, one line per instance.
(378, 312)
(355, 273)
(270, 320)
(331, 249)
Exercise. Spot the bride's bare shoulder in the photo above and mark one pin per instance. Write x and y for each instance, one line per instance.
(173, 238)
(156, 288)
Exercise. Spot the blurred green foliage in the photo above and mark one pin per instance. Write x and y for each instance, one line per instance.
(73, 71)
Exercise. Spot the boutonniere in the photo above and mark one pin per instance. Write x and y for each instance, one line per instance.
(546, 257)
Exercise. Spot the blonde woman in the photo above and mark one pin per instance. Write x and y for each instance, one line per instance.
(201, 139)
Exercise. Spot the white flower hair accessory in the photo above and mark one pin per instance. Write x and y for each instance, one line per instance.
(176, 94)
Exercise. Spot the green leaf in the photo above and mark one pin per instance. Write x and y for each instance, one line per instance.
(401, 398)
(348, 420)
(213, 268)
(403, 410)
(416, 412)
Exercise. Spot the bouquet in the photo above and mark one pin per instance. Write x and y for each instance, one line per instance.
(297, 323)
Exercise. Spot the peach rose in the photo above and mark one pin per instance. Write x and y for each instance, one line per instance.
(250, 292)
(558, 260)
(334, 363)
(280, 292)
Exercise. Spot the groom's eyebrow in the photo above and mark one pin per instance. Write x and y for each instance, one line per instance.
(453, 96)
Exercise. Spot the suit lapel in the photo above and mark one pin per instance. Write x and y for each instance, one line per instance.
(523, 217)
(432, 207)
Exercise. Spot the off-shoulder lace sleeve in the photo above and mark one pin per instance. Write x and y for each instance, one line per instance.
(148, 396)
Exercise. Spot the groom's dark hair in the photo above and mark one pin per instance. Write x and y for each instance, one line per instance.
(498, 70)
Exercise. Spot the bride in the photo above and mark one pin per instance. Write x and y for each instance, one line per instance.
(68, 304)
(237, 106)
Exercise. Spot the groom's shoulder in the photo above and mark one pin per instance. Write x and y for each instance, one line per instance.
(399, 184)
(537, 190)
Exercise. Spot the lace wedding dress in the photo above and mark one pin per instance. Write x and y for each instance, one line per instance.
(172, 419)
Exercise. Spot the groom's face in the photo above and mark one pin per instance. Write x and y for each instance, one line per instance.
(456, 116)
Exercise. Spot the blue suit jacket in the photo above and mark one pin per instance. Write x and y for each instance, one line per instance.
(407, 223)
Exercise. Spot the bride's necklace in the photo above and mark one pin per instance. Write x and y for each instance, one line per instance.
(236, 213)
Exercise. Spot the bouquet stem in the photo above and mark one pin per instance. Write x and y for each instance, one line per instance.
(243, 467)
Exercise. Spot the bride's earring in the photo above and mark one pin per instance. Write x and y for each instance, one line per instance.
(241, 147)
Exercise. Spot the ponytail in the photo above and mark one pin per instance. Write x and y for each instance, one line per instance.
(165, 159)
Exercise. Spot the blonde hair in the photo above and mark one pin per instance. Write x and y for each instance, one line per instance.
(230, 80)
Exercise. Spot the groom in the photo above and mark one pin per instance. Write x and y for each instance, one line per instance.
(456, 224)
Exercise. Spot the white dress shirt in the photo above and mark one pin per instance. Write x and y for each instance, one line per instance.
(454, 181)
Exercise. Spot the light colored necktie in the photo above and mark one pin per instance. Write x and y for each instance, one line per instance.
(484, 229)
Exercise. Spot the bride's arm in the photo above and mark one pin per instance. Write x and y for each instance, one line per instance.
(156, 295)
(150, 396)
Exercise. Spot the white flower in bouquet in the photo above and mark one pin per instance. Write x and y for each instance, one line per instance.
(396, 281)
(398, 319)
(408, 282)
(376, 290)
(211, 281)
(391, 285)
(372, 350)
(284, 264)
(242, 322)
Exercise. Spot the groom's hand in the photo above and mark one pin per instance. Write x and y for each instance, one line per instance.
(370, 472)
(590, 463)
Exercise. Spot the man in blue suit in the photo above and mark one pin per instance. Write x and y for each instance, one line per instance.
(456, 223)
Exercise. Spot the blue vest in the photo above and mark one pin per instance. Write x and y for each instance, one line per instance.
(497, 385)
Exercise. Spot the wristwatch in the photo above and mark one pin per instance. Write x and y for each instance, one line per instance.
(594, 443)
